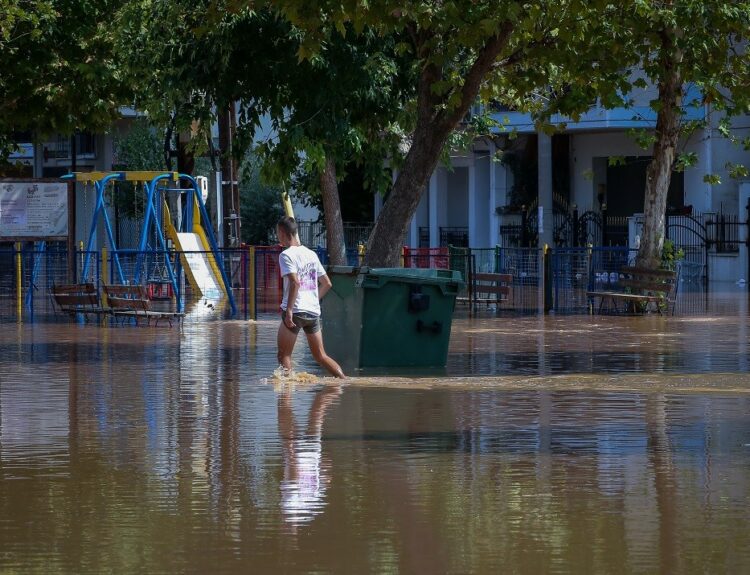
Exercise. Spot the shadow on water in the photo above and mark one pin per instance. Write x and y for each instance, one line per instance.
(548, 445)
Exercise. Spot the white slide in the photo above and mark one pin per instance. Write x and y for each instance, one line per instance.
(197, 259)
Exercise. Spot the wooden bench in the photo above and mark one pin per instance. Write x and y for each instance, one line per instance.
(131, 301)
(639, 289)
(77, 298)
(489, 289)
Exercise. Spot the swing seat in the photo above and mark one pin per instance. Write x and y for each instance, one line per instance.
(159, 290)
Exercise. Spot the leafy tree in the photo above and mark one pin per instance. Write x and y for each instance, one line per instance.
(140, 148)
(58, 72)
(338, 109)
(464, 50)
(679, 43)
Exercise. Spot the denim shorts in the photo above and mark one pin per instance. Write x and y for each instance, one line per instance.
(307, 321)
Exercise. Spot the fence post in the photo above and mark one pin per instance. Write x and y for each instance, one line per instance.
(524, 226)
(19, 283)
(575, 226)
(251, 282)
(80, 250)
(547, 278)
(605, 225)
(497, 260)
(103, 274)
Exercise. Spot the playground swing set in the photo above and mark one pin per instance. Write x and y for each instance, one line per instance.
(200, 259)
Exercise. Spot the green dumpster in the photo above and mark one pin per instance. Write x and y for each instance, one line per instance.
(389, 317)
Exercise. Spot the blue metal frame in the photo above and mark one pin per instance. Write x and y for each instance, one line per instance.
(100, 186)
(38, 255)
(152, 189)
(152, 201)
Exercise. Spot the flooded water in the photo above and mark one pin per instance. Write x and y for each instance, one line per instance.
(548, 445)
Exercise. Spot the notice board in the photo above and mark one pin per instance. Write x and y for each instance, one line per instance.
(33, 210)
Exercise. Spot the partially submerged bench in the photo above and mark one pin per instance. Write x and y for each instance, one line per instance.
(637, 290)
(489, 288)
(77, 298)
(131, 301)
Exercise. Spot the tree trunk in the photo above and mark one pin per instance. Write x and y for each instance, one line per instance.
(659, 172)
(332, 214)
(435, 122)
(387, 238)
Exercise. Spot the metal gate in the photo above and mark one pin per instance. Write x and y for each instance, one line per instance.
(689, 233)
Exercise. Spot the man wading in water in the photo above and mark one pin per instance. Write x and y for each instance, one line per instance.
(300, 307)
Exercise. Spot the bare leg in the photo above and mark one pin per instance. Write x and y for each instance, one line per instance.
(319, 353)
(286, 340)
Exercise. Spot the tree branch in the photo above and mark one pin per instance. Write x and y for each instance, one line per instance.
(483, 63)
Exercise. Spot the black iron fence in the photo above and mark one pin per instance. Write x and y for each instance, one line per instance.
(569, 229)
(313, 233)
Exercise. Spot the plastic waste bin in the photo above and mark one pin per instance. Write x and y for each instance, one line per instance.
(389, 317)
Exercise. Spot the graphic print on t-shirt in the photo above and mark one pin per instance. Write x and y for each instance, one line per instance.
(308, 277)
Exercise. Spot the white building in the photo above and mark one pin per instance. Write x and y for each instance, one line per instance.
(464, 202)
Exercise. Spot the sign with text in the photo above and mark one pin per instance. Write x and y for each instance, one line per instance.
(33, 210)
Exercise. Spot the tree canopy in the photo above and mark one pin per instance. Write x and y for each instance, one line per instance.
(58, 68)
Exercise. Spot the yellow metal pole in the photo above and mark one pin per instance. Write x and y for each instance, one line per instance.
(80, 251)
(19, 283)
(288, 209)
(104, 275)
(251, 282)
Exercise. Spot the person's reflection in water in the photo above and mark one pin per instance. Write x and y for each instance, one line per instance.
(305, 473)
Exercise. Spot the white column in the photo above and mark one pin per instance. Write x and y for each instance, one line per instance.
(413, 233)
(492, 225)
(472, 195)
(433, 207)
(544, 161)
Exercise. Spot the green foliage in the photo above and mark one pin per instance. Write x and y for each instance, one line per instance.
(141, 148)
(670, 255)
(260, 205)
(346, 101)
(58, 71)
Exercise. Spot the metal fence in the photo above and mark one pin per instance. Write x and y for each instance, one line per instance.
(553, 281)
(313, 233)
(578, 270)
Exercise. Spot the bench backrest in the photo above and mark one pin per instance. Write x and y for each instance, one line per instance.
(127, 297)
(642, 280)
(494, 284)
(74, 296)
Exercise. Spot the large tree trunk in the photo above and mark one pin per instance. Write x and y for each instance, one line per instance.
(387, 238)
(659, 172)
(332, 214)
(435, 122)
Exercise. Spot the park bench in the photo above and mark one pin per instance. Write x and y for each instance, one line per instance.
(638, 290)
(489, 288)
(131, 302)
(77, 298)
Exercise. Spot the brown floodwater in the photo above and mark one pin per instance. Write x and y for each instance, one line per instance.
(547, 445)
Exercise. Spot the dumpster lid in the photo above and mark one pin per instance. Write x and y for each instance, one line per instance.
(377, 277)
(344, 270)
(429, 275)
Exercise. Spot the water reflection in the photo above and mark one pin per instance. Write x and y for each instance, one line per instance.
(143, 450)
(306, 477)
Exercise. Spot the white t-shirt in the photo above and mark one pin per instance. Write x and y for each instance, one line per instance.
(305, 263)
